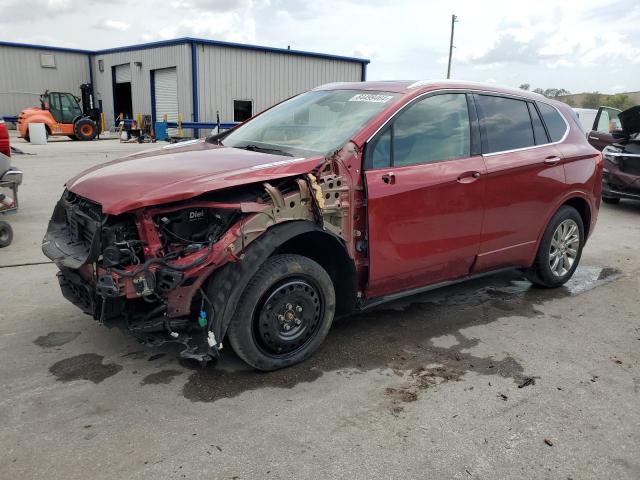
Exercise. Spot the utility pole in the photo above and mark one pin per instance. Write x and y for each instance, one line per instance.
(453, 23)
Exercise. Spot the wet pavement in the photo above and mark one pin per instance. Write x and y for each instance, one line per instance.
(491, 378)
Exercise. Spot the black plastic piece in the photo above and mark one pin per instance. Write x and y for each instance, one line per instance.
(106, 287)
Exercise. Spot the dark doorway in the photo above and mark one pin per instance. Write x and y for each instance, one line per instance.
(122, 99)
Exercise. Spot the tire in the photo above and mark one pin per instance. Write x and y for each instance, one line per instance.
(284, 313)
(72, 137)
(558, 242)
(85, 129)
(6, 234)
(611, 200)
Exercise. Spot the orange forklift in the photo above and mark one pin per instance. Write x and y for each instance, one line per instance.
(61, 115)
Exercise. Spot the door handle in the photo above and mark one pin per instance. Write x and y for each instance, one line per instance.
(468, 177)
(593, 137)
(389, 178)
(552, 160)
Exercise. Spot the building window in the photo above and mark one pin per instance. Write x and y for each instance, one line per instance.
(101, 65)
(47, 60)
(242, 110)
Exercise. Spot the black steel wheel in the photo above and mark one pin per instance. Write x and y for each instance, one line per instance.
(6, 234)
(284, 314)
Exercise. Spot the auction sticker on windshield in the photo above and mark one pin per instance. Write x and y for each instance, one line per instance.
(370, 97)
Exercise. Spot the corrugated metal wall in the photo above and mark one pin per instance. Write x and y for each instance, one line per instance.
(178, 56)
(22, 78)
(226, 74)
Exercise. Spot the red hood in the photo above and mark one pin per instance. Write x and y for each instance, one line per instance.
(179, 172)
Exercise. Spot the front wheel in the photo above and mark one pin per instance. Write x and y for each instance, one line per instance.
(560, 249)
(284, 313)
(85, 129)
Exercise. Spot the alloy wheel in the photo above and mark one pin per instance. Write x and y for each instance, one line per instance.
(565, 244)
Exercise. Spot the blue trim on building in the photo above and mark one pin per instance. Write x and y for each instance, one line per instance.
(194, 84)
(199, 41)
(363, 76)
(152, 83)
(44, 47)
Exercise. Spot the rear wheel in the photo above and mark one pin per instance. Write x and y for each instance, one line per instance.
(85, 129)
(284, 313)
(611, 200)
(560, 249)
(6, 234)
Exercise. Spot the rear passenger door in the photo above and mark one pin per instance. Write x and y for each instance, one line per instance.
(425, 187)
(525, 176)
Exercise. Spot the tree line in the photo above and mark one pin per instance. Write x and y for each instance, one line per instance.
(589, 100)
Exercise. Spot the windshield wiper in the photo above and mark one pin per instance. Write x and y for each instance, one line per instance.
(256, 148)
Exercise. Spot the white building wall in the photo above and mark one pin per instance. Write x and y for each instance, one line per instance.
(22, 79)
(178, 56)
(226, 74)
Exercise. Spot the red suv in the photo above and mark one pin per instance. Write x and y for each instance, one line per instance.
(333, 201)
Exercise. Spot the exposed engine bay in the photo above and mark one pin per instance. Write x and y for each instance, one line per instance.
(147, 271)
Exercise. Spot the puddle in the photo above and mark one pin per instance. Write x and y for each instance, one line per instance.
(87, 366)
(55, 339)
(398, 336)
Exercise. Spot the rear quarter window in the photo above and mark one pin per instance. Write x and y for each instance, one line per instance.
(505, 124)
(556, 126)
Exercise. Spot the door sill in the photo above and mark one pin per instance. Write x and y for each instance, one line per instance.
(374, 302)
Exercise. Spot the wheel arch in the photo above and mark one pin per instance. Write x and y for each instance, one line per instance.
(329, 252)
(584, 209)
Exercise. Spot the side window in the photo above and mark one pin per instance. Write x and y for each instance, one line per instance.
(380, 154)
(538, 129)
(608, 121)
(432, 130)
(505, 124)
(556, 126)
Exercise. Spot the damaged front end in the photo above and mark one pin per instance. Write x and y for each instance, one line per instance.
(172, 272)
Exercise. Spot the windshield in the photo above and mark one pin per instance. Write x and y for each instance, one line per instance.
(317, 122)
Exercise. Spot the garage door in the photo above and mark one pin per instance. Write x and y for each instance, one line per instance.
(166, 93)
(123, 73)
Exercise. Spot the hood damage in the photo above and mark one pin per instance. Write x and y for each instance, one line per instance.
(171, 268)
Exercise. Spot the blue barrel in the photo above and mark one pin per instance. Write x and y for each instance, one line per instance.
(160, 129)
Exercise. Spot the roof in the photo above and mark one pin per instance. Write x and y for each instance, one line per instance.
(413, 86)
(189, 40)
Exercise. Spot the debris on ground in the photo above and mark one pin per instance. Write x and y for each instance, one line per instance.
(526, 381)
(503, 396)
(548, 442)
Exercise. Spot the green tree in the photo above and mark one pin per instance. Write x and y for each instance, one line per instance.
(525, 86)
(593, 100)
(539, 90)
(619, 100)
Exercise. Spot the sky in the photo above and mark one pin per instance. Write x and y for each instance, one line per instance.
(581, 45)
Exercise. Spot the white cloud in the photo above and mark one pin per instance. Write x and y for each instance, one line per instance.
(114, 25)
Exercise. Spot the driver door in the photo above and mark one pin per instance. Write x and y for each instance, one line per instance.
(425, 195)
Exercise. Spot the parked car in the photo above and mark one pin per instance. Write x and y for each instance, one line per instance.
(621, 177)
(334, 201)
(586, 117)
(607, 121)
